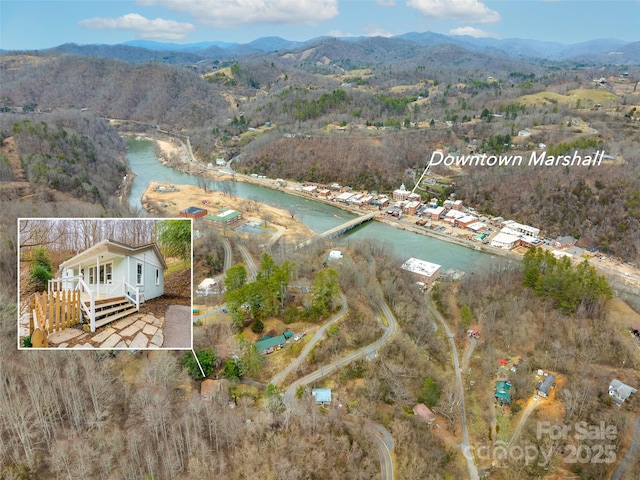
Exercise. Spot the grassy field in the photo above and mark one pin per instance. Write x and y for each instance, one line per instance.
(586, 97)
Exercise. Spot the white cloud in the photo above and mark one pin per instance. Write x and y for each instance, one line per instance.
(375, 31)
(473, 32)
(461, 10)
(157, 29)
(232, 13)
(368, 31)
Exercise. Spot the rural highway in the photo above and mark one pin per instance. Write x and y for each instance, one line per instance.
(465, 445)
(228, 255)
(252, 269)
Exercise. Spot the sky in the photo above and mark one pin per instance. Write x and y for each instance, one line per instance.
(29, 25)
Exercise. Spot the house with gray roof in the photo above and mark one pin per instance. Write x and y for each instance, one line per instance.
(619, 391)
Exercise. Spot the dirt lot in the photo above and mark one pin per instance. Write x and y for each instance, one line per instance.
(172, 201)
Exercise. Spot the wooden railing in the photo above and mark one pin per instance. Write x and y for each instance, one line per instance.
(52, 312)
(134, 297)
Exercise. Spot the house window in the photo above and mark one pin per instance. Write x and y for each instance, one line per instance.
(105, 273)
(92, 275)
(157, 276)
(139, 277)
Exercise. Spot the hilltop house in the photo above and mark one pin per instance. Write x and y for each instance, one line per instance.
(322, 395)
(619, 391)
(503, 392)
(113, 270)
(422, 411)
(544, 386)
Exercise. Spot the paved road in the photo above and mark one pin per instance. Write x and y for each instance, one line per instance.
(631, 453)
(252, 269)
(347, 359)
(319, 335)
(380, 434)
(177, 327)
(466, 446)
(228, 255)
(384, 440)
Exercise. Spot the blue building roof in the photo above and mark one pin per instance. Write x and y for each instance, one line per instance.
(323, 395)
(193, 210)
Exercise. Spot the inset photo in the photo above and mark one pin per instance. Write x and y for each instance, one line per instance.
(110, 284)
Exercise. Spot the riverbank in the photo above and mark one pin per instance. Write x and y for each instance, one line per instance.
(169, 200)
(624, 275)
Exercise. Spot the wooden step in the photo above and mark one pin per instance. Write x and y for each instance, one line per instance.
(116, 316)
(102, 301)
(112, 311)
(111, 304)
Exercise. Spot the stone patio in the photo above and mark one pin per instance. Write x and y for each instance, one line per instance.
(135, 332)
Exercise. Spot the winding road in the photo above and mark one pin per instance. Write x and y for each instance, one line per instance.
(319, 335)
(631, 453)
(382, 437)
(465, 445)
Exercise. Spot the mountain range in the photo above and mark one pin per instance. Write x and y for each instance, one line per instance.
(598, 51)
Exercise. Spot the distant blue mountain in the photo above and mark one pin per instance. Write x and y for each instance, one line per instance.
(506, 46)
(177, 47)
(597, 50)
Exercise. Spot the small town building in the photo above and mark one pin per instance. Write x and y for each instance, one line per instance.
(619, 391)
(410, 208)
(427, 272)
(452, 215)
(309, 189)
(194, 212)
(435, 212)
(322, 395)
(505, 241)
(465, 221)
(366, 200)
(344, 197)
(521, 228)
(324, 193)
(564, 241)
(401, 194)
(424, 413)
(225, 217)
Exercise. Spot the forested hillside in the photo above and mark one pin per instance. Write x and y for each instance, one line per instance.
(71, 152)
(369, 112)
(151, 92)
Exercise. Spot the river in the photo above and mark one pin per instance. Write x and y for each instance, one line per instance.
(318, 216)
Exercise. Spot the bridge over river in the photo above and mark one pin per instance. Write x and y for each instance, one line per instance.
(340, 229)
